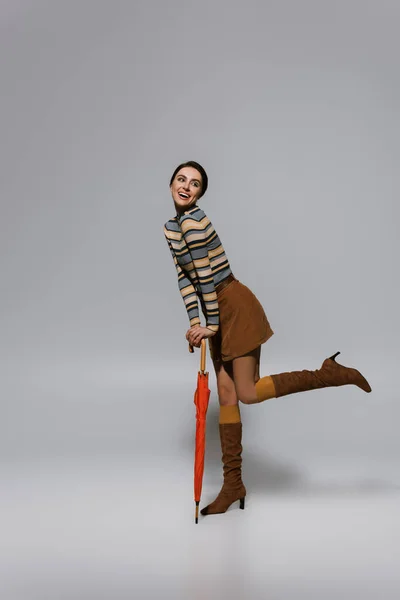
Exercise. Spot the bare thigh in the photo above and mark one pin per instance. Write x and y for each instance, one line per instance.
(225, 383)
(246, 373)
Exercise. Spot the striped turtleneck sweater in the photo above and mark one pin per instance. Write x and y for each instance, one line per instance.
(200, 262)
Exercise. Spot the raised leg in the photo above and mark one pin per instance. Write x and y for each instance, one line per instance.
(330, 374)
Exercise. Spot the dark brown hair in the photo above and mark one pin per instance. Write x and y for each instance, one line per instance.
(199, 168)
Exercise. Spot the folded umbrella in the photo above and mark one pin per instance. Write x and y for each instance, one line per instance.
(201, 399)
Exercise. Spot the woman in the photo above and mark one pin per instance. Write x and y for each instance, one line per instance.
(236, 327)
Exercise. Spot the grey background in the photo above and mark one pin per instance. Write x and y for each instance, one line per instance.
(293, 109)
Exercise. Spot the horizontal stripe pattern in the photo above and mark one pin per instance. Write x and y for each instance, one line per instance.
(200, 262)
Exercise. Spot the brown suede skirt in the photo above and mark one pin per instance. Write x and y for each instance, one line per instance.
(243, 325)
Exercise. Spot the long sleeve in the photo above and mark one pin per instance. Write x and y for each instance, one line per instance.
(186, 289)
(199, 235)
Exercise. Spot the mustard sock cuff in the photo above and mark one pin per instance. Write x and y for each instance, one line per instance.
(229, 414)
(265, 389)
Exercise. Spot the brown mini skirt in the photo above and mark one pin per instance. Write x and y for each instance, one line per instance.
(243, 325)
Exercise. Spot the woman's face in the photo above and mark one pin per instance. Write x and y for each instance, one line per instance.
(186, 188)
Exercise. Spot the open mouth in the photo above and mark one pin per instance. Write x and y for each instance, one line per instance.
(183, 196)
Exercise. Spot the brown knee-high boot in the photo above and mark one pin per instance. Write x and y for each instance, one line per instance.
(330, 374)
(233, 488)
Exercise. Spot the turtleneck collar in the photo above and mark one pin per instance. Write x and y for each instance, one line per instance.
(189, 211)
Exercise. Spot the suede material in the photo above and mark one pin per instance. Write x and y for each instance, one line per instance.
(243, 324)
(233, 488)
(330, 374)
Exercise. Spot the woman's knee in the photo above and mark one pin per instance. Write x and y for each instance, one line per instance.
(227, 392)
(227, 399)
(247, 399)
(246, 394)
(225, 385)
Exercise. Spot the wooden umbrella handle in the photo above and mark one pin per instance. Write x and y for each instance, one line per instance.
(203, 354)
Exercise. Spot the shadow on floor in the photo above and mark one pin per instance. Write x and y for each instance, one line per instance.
(264, 473)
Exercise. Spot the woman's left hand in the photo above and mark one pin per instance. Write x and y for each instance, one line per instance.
(195, 334)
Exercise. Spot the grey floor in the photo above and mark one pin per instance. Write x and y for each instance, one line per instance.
(96, 494)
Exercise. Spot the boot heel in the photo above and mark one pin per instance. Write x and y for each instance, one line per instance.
(242, 503)
(334, 356)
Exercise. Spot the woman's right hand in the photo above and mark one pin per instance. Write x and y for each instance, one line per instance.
(195, 334)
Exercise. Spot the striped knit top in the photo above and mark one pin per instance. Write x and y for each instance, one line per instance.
(200, 262)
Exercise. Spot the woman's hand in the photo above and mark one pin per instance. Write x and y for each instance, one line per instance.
(195, 334)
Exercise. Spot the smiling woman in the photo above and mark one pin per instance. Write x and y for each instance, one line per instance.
(188, 184)
(236, 327)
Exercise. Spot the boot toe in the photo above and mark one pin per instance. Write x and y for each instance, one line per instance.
(367, 387)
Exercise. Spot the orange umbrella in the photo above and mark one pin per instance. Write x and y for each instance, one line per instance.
(201, 398)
